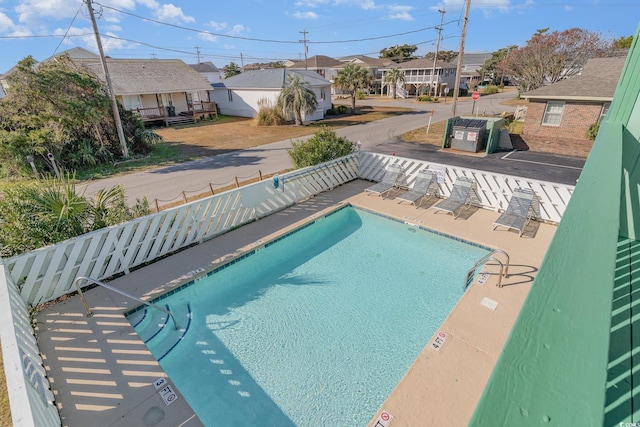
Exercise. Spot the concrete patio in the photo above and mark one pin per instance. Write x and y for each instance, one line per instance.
(102, 373)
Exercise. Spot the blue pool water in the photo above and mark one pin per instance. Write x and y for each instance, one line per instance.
(315, 329)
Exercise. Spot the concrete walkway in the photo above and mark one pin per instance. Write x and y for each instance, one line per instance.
(103, 374)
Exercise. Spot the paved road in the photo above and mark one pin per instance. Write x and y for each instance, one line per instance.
(168, 183)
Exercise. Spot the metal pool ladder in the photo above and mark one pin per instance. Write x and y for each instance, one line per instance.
(504, 267)
(116, 290)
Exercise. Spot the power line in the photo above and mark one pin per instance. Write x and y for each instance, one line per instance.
(66, 32)
(181, 27)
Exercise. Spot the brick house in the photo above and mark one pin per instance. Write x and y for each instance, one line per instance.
(559, 115)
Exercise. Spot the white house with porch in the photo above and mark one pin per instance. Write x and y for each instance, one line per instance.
(240, 95)
(422, 77)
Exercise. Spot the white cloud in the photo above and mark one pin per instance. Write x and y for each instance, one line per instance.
(502, 5)
(33, 12)
(310, 3)
(171, 13)
(363, 4)
(151, 4)
(6, 24)
(218, 26)
(400, 12)
(237, 30)
(207, 37)
(305, 15)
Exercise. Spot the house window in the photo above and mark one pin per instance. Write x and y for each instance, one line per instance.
(131, 102)
(553, 113)
(230, 95)
(322, 93)
(604, 111)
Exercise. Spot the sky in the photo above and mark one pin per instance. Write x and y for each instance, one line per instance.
(258, 31)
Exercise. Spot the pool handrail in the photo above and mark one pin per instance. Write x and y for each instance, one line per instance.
(504, 267)
(116, 290)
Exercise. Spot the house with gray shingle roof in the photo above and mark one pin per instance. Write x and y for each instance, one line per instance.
(376, 66)
(209, 71)
(559, 115)
(156, 88)
(240, 95)
(318, 63)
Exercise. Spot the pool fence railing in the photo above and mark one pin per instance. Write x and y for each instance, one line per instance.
(48, 273)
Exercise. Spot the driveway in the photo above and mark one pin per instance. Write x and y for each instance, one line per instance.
(167, 183)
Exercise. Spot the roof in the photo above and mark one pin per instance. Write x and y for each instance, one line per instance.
(273, 78)
(423, 64)
(316, 62)
(473, 58)
(204, 67)
(597, 82)
(371, 62)
(149, 76)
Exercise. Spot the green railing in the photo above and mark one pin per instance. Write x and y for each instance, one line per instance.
(570, 358)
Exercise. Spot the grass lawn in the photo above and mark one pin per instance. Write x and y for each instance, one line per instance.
(211, 138)
(5, 411)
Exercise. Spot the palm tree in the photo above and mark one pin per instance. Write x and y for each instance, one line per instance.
(351, 78)
(296, 97)
(393, 77)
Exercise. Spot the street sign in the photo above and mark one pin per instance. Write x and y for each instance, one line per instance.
(475, 96)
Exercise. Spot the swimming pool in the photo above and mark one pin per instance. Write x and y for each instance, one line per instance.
(315, 328)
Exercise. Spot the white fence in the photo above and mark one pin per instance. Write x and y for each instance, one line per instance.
(48, 273)
(494, 189)
(30, 398)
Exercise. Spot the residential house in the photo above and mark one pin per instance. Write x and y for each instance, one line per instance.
(559, 115)
(159, 90)
(374, 65)
(240, 95)
(209, 71)
(419, 78)
(323, 65)
(470, 70)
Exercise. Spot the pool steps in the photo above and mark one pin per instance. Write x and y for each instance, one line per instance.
(151, 327)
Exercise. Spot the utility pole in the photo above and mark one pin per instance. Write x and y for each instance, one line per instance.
(241, 63)
(304, 40)
(456, 90)
(198, 53)
(435, 57)
(114, 102)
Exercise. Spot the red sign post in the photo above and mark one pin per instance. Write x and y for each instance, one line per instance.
(475, 95)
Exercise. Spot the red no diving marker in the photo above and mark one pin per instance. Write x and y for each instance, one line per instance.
(475, 96)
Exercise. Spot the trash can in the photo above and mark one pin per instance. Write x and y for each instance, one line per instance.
(171, 111)
(469, 135)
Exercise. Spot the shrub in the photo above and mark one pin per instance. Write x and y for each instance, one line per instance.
(269, 114)
(424, 98)
(323, 146)
(359, 94)
(463, 92)
(490, 90)
(343, 109)
(592, 132)
(330, 112)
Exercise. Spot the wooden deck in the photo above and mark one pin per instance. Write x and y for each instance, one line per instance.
(160, 115)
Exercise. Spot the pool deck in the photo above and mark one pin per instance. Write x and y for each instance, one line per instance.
(102, 374)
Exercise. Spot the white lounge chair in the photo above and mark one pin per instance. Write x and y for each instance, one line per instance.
(392, 177)
(521, 209)
(426, 185)
(463, 192)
